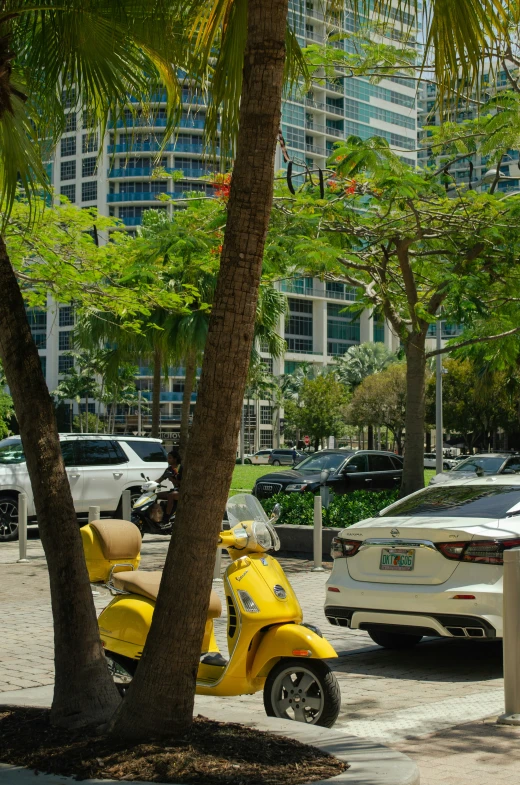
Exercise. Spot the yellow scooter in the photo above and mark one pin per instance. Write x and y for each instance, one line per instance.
(270, 648)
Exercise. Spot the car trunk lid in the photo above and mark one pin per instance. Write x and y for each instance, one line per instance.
(397, 550)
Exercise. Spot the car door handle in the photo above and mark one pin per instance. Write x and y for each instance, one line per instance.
(74, 476)
(396, 478)
(117, 475)
(368, 479)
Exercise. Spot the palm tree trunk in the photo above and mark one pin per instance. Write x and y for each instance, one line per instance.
(413, 469)
(83, 689)
(156, 398)
(161, 699)
(189, 383)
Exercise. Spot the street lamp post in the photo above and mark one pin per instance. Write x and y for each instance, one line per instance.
(438, 401)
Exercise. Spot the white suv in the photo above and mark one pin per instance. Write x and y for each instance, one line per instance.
(99, 469)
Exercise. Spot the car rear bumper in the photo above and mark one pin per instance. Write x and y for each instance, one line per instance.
(440, 625)
(432, 609)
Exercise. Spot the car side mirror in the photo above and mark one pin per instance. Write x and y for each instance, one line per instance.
(277, 511)
(350, 469)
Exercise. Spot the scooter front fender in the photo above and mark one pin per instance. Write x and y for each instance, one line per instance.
(284, 640)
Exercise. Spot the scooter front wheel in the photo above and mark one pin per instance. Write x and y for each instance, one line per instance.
(304, 691)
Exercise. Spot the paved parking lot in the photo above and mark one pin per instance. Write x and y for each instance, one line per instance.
(418, 700)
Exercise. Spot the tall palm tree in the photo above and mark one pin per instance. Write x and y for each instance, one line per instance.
(247, 86)
(100, 52)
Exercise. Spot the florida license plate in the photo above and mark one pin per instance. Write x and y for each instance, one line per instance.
(400, 559)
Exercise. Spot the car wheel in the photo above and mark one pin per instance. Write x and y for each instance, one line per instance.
(394, 640)
(276, 463)
(248, 461)
(446, 467)
(8, 518)
(305, 692)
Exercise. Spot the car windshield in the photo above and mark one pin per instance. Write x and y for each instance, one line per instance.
(321, 461)
(11, 452)
(459, 501)
(481, 464)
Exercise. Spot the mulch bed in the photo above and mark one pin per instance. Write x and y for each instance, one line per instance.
(213, 753)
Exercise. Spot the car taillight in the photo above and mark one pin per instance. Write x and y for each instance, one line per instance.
(478, 551)
(340, 548)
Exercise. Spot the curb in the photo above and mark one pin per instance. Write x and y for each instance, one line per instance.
(370, 763)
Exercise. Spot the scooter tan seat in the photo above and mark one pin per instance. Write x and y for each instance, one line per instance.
(118, 539)
(147, 585)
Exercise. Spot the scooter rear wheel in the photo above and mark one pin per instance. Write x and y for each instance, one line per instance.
(304, 691)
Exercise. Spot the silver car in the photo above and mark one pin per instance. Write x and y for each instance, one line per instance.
(483, 465)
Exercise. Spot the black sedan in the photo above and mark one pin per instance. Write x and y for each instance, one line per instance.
(348, 471)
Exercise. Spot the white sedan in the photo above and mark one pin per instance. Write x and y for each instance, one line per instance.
(260, 458)
(430, 564)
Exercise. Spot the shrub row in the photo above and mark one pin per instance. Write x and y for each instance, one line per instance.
(298, 508)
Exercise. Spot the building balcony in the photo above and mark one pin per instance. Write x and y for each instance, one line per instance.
(141, 196)
(148, 172)
(338, 132)
(156, 122)
(155, 147)
(311, 148)
(168, 397)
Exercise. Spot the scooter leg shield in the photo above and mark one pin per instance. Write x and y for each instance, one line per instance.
(289, 640)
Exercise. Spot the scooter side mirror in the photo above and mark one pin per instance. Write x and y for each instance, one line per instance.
(277, 511)
(142, 475)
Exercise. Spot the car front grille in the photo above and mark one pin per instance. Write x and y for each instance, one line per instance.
(264, 490)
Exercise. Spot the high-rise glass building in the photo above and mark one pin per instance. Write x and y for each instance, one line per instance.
(121, 181)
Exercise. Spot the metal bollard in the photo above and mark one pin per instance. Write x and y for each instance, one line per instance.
(126, 506)
(94, 514)
(218, 565)
(22, 527)
(511, 638)
(317, 540)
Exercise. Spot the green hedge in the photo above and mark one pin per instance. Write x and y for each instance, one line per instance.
(298, 508)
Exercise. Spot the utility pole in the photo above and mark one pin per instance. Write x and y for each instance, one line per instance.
(139, 415)
(438, 400)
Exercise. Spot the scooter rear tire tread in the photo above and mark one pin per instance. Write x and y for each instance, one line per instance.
(328, 682)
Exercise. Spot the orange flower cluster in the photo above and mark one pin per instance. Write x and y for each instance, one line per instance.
(222, 186)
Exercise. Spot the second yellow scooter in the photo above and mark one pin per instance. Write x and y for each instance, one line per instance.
(269, 646)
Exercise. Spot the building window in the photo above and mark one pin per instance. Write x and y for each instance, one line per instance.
(294, 137)
(40, 339)
(267, 362)
(65, 363)
(69, 191)
(339, 291)
(89, 191)
(379, 331)
(89, 143)
(266, 415)
(298, 326)
(88, 167)
(68, 146)
(68, 98)
(70, 123)
(266, 438)
(68, 170)
(342, 329)
(43, 363)
(66, 317)
(64, 342)
(88, 119)
(37, 318)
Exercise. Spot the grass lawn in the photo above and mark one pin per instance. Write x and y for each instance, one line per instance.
(244, 477)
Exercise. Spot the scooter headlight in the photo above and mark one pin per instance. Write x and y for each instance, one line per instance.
(265, 536)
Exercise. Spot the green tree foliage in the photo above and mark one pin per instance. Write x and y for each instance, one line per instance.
(477, 401)
(395, 235)
(380, 400)
(319, 410)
